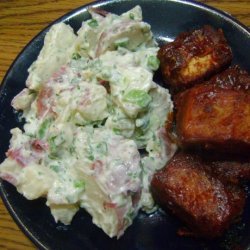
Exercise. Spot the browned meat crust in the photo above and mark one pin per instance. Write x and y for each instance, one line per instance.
(216, 114)
(230, 171)
(188, 187)
(232, 78)
(194, 56)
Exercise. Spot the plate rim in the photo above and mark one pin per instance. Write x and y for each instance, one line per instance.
(65, 17)
(72, 13)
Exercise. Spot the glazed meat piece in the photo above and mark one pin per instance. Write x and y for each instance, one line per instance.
(189, 189)
(214, 118)
(194, 56)
(230, 171)
(232, 78)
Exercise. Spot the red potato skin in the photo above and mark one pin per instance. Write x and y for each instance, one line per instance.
(193, 57)
(189, 189)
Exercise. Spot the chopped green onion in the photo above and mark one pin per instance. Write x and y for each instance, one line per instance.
(138, 97)
(153, 63)
(92, 23)
(52, 144)
(55, 168)
(72, 149)
(139, 133)
(90, 155)
(52, 157)
(44, 126)
(79, 184)
(123, 42)
(76, 56)
(117, 131)
(102, 148)
(132, 16)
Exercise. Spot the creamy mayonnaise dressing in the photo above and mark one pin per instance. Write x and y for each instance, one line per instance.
(90, 104)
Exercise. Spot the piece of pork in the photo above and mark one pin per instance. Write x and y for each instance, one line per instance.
(191, 190)
(194, 56)
(216, 114)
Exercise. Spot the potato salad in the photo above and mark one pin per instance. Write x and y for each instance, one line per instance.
(94, 131)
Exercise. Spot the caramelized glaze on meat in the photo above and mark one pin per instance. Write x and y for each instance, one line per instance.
(230, 171)
(214, 118)
(193, 56)
(216, 114)
(232, 78)
(188, 187)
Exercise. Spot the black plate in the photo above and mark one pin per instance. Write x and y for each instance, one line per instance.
(156, 231)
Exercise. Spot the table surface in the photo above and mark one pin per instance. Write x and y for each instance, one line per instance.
(20, 21)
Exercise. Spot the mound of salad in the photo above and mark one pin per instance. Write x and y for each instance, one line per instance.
(90, 104)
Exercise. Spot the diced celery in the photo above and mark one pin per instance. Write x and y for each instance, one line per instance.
(76, 56)
(52, 145)
(132, 16)
(153, 62)
(117, 131)
(92, 23)
(44, 126)
(138, 97)
(123, 42)
(55, 168)
(79, 184)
